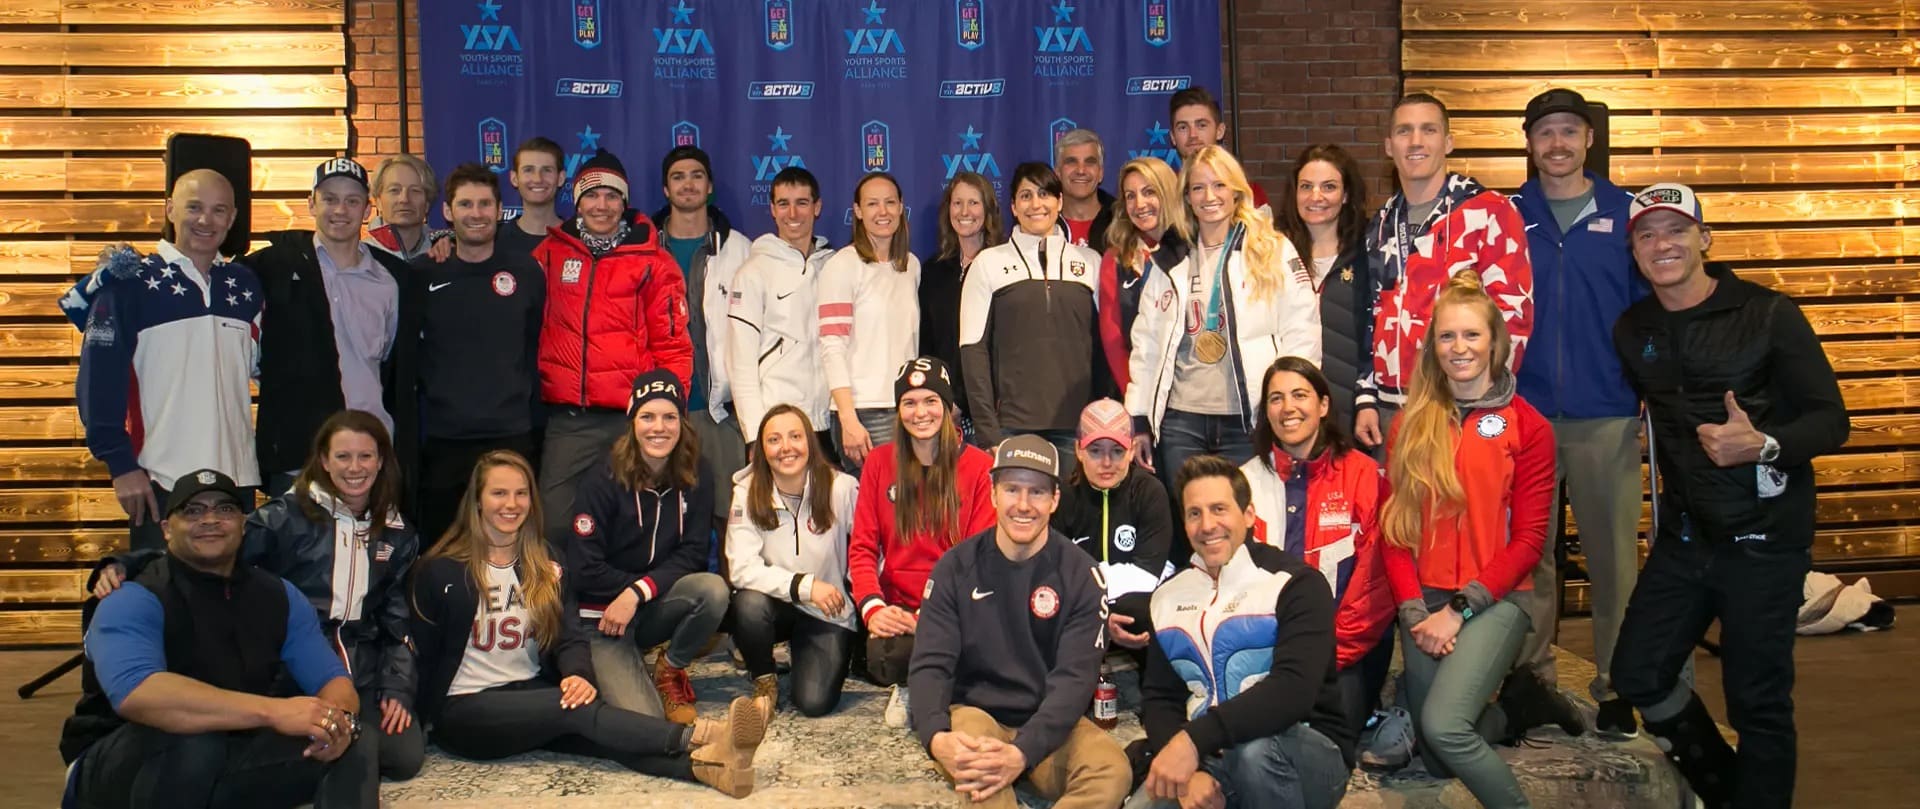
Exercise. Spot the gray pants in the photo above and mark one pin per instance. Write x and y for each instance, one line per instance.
(723, 452)
(878, 422)
(1300, 767)
(577, 439)
(1599, 459)
(1447, 696)
(684, 618)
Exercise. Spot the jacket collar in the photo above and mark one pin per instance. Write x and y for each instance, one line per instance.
(718, 226)
(339, 510)
(640, 232)
(1500, 394)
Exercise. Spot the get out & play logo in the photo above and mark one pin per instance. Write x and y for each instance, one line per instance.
(493, 144)
(876, 146)
(588, 25)
(1156, 22)
(779, 24)
(683, 51)
(875, 52)
(684, 133)
(490, 52)
(969, 23)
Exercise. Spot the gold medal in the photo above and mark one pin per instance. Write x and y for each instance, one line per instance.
(1209, 347)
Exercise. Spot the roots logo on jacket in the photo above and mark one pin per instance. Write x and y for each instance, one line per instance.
(1156, 23)
(779, 24)
(587, 31)
(491, 51)
(493, 144)
(875, 53)
(570, 271)
(876, 146)
(1044, 602)
(969, 23)
(683, 51)
(1062, 49)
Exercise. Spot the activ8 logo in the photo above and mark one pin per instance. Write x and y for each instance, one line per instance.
(780, 155)
(490, 52)
(1156, 22)
(876, 55)
(983, 88)
(779, 91)
(589, 88)
(683, 51)
(779, 20)
(1158, 145)
(1157, 85)
(587, 23)
(1062, 50)
(971, 157)
(588, 142)
(969, 23)
(493, 144)
(876, 146)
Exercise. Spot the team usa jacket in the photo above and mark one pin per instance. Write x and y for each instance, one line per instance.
(892, 570)
(446, 606)
(165, 364)
(612, 318)
(1326, 511)
(645, 540)
(1120, 292)
(1028, 335)
(784, 562)
(1471, 228)
(1487, 546)
(1583, 279)
(1755, 343)
(1243, 657)
(1259, 331)
(773, 346)
(1019, 640)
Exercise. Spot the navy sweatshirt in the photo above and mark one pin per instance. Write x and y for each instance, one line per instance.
(647, 539)
(1019, 640)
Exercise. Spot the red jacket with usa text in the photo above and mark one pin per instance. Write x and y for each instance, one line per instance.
(611, 318)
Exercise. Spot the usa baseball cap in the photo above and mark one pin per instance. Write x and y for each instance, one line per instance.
(1666, 197)
(341, 167)
(193, 484)
(1027, 452)
(1558, 99)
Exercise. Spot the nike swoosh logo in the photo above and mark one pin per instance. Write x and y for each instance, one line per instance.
(1130, 284)
(977, 595)
(1080, 540)
(783, 297)
(439, 286)
(1533, 225)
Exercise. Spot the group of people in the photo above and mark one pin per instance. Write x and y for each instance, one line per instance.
(1248, 443)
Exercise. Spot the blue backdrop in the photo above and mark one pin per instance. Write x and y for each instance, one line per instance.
(919, 88)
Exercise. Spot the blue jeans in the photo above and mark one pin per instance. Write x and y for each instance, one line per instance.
(1184, 435)
(1448, 694)
(820, 650)
(878, 422)
(1300, 767)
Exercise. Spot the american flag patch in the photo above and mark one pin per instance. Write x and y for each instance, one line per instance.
(382, 552)
(1603, 225)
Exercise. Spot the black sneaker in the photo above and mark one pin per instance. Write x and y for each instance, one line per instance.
(1616, 721)
(1529, 703)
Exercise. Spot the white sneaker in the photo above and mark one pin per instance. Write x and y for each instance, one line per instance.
(1392, 746)
(897, 708)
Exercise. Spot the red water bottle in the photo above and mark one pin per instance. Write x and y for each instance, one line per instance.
(1106, 704)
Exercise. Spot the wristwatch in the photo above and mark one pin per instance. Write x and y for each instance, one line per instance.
(1770, 450)
(1460, 604)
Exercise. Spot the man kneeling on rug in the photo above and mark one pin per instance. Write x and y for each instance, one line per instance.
(1265, 729)
(1009, 648)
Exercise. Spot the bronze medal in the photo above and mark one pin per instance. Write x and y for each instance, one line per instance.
(1209, 347)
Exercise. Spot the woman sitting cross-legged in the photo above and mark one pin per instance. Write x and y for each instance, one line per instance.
(787, 554)
(504, 670)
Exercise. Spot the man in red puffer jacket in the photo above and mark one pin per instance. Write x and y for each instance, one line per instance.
(616, 307)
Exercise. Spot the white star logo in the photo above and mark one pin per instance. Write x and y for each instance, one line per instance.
(231, 283)
(179, 290)
(153, 283)
(246, 293)
(166, 271)
(233, 301)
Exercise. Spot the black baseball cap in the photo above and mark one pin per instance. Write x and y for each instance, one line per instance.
(341, 167)
(1558, 99)
(193, 484)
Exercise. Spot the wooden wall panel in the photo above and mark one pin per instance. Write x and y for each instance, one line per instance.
(89, 92)
(1796, 121)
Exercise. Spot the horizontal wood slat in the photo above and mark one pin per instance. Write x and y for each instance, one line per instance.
(1484, 93)
(203, 12)
(1863, 318)
(305, 133)
(1787, 51)
(50, 422)
(206, 91)
(49, 464)
(68, 545)
(60, 505)
(1658, 15)
(37, 382)
(1869, 468)
(1634, 171)
(43, 586)
(38, 342)
(38, 91)
(1814, 243)
(1755, 130)
(1866, 543)
(1884, 431)
(143, 217)
(29, 12)
(1880, 394)
(62, 257)
(1873, 356)
(40, 627)
(29, 300)
(273, 174)
(279, 49)
(1739, 207)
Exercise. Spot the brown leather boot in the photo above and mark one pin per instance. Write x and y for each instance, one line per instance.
(676, 691)
(726, 761)
(766, 694)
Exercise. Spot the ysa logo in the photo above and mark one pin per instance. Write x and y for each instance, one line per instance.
(1063, 36)
(1156, 22)
(490, 53)
(589, 143)
(779, 21)
(493, 144)
(587, 31)
(969, 23)
(1158, 145)
(683, 51)
(490, 38)
(876, 146)
(779, 156)
(875, 52)
(971, 157)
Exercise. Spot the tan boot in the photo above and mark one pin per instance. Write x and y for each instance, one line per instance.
(676, 691)
(766, 694)
(726, 761)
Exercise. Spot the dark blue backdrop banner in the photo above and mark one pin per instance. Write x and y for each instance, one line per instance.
(919, 88)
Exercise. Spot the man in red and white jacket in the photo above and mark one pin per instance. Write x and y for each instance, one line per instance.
(1438, 224)
(616, 308)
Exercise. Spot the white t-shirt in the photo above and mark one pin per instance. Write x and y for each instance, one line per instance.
(501, 650)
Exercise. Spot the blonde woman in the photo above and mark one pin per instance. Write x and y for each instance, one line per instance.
(1152, 225)
(1239, 299)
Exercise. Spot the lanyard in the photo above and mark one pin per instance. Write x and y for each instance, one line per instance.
(1219, 276)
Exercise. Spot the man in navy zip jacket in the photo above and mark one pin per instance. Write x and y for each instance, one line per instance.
(1583, 277)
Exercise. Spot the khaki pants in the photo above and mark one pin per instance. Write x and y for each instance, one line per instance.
(1088, 771)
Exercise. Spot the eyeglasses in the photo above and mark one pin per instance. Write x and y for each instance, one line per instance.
(199, 511)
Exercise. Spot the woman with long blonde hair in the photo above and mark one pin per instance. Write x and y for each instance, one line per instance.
(1471, 469)
(1151, 224)
(1239, 299)
(504, 669)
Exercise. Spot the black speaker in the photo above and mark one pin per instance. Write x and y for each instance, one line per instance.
(233, 158)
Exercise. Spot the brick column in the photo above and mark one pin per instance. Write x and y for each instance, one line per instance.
(375, 41)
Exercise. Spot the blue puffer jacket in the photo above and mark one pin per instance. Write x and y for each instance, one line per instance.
(1582, 281)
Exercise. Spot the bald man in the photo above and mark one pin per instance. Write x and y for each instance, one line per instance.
(171, 340)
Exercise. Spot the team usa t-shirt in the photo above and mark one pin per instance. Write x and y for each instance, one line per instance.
(501, 650)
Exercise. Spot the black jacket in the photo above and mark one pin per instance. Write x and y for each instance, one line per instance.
(622, 538)
(1754, 342)
(444, 605)
(299, 360)
(1346, 329)
(1130, 524)
(940, 318)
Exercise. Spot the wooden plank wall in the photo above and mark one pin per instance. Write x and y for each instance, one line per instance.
(1799, 123)
(89, 92)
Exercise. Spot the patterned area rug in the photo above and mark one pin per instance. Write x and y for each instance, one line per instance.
(851, 760)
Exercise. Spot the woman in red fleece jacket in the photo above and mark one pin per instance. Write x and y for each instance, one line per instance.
(1471, 473)
(919, 496)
